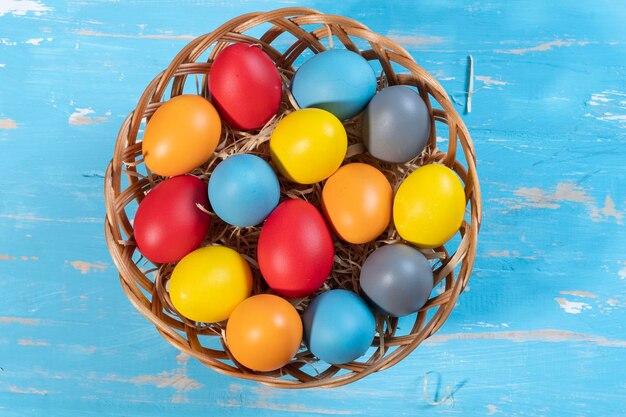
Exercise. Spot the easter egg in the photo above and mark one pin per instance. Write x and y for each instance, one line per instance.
(308, 145)
(429, 206)
(397, 279)
(357, 201)
(209, 283)
(396, 124)
(245, 86)
(338, 80)
(181, 135)
(168, 223)
(264, 332)
(339, 327)
(243, 190)
(295, 249)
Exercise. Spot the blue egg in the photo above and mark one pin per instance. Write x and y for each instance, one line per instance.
(339, 327)
(243, 190)
(339, 81)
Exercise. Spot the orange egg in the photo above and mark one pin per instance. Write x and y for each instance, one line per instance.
(264, 332)
(181, 135)
(357, 201)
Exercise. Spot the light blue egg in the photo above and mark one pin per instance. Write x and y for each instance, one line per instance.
(243, 190)
(339, 81)
(338, 326)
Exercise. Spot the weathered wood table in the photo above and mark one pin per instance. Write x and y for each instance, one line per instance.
(539, 332)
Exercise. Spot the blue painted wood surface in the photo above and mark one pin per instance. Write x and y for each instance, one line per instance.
(539, 332)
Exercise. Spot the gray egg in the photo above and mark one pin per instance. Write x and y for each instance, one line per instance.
(396, 279)
(396, 124)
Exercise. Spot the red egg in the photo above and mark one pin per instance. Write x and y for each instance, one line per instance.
(295, 250)
(168, 224)
(245, 86)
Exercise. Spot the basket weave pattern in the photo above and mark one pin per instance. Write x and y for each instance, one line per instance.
(127, 181)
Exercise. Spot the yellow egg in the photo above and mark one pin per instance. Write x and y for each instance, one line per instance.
(207, 284)
(429, 206)
(308, 145)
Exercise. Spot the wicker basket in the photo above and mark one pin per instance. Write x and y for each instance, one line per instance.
(291, 34)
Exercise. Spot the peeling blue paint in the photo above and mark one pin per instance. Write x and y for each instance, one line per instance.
(540, 330)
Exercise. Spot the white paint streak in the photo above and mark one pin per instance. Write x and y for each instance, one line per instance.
(179, 399)
(34, 41)
(22, 7)
(30, 342)
(489, 81)
(564, 192)
(538, 48)
(606, 212)
(507, 254)
(492, 409)
(8, 124)
(175, 380)
(498, 254)
(610, 305)
(615, 92)
(3, 65)
(523, 336)
(181, 360)
(121, 35)
(86, 267)
(600, 97)
(490, 325)
(82, 117)
(572, 307)
(7, 42)
(5, 257)
(570, 192)
(413, 40)
(536, 197)
(20, 320)
(32, 218)
(606, 101)
(612, 117)
(622, 272)
(17, 390)
(579, 294)
(78, 349)
(298, 408)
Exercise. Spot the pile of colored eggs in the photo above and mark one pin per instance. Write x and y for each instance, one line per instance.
(296, 244)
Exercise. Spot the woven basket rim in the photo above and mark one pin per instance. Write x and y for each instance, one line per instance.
(146, 294)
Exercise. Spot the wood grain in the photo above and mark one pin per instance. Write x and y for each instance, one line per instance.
(540, 332)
